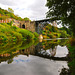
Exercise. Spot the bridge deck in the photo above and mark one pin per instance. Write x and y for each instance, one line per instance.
(44, 20)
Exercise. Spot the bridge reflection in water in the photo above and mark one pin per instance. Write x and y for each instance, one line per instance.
(46, 49)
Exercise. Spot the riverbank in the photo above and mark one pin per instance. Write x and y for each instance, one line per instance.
(71, 61)
(14, 34)
(71, 56)
(49, 32)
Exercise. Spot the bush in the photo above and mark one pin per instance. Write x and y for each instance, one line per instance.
(26, 34)
(57, 35)
(43, 33)
(36, 34)
(72, 41)
(45, 37)
(50, 29)
(16, 36)
(53, 29)
(13, 33)
(3, 37)
(14, 27)
(50, 35)
(71, 62)
(63, 34)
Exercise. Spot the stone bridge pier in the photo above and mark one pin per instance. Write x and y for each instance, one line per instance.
(27, 25)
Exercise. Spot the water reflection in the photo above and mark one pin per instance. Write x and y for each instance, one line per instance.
(29, 53)
(46, 49)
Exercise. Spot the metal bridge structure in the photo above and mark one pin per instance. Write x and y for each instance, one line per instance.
(40, 24)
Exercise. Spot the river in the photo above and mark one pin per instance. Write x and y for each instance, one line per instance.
(47, 57)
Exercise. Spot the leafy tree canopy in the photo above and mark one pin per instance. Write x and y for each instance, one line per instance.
(26, 19)
(10, 14)
(63, 10)
(10, 10)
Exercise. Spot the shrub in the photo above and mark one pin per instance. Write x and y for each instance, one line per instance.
(14, 27)
(43, 33)
(45, 37)
(50, 29)
(36, 34)
(47, 27)
(3, 37)
(26, 34)
(72, 41)
(50, 35)
(13, 33)
(57, 35)
(63, 34)
(16, 36)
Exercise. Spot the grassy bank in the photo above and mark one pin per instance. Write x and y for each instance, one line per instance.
(12, 33)
(71, 62)
(9, 50)
(50, 31)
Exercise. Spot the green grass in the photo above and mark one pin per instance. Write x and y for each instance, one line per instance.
(14, 34)
(53, 32)
(71, 62)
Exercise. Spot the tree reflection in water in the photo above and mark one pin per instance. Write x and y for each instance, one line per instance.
(65, 71)
(45, 49)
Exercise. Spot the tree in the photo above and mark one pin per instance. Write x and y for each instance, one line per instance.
(4, 17)
(63, 10)
(27, 19)
(10, 10)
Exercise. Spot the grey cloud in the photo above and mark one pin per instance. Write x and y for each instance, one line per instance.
(38, 9)
(8, 2)
(38, 6)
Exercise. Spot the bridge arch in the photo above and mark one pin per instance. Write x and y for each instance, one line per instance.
(23, 26)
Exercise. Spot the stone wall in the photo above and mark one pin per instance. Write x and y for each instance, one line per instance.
(7, 20)
(32, 26)
(27, 25)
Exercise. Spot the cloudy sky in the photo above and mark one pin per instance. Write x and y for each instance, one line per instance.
(33, 9)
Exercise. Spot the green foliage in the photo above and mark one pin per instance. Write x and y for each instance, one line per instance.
(10, 23)
(36, 34)
(52, 43)
(72, 41)
(54, 29)
(10, 10)
(54, 32)
(26, 19)
(43, 32)
(14, 34)
(13, 49)
(3, 37)
(50, 35)
(4, 17)
(26, 34)
(57, 35)
(63, 34)
(63, 10)
(14, 28)
(8, 14)
(71, 58)
(50, 29)
(67, 30)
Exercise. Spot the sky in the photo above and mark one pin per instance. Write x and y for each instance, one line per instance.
(33, 9)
